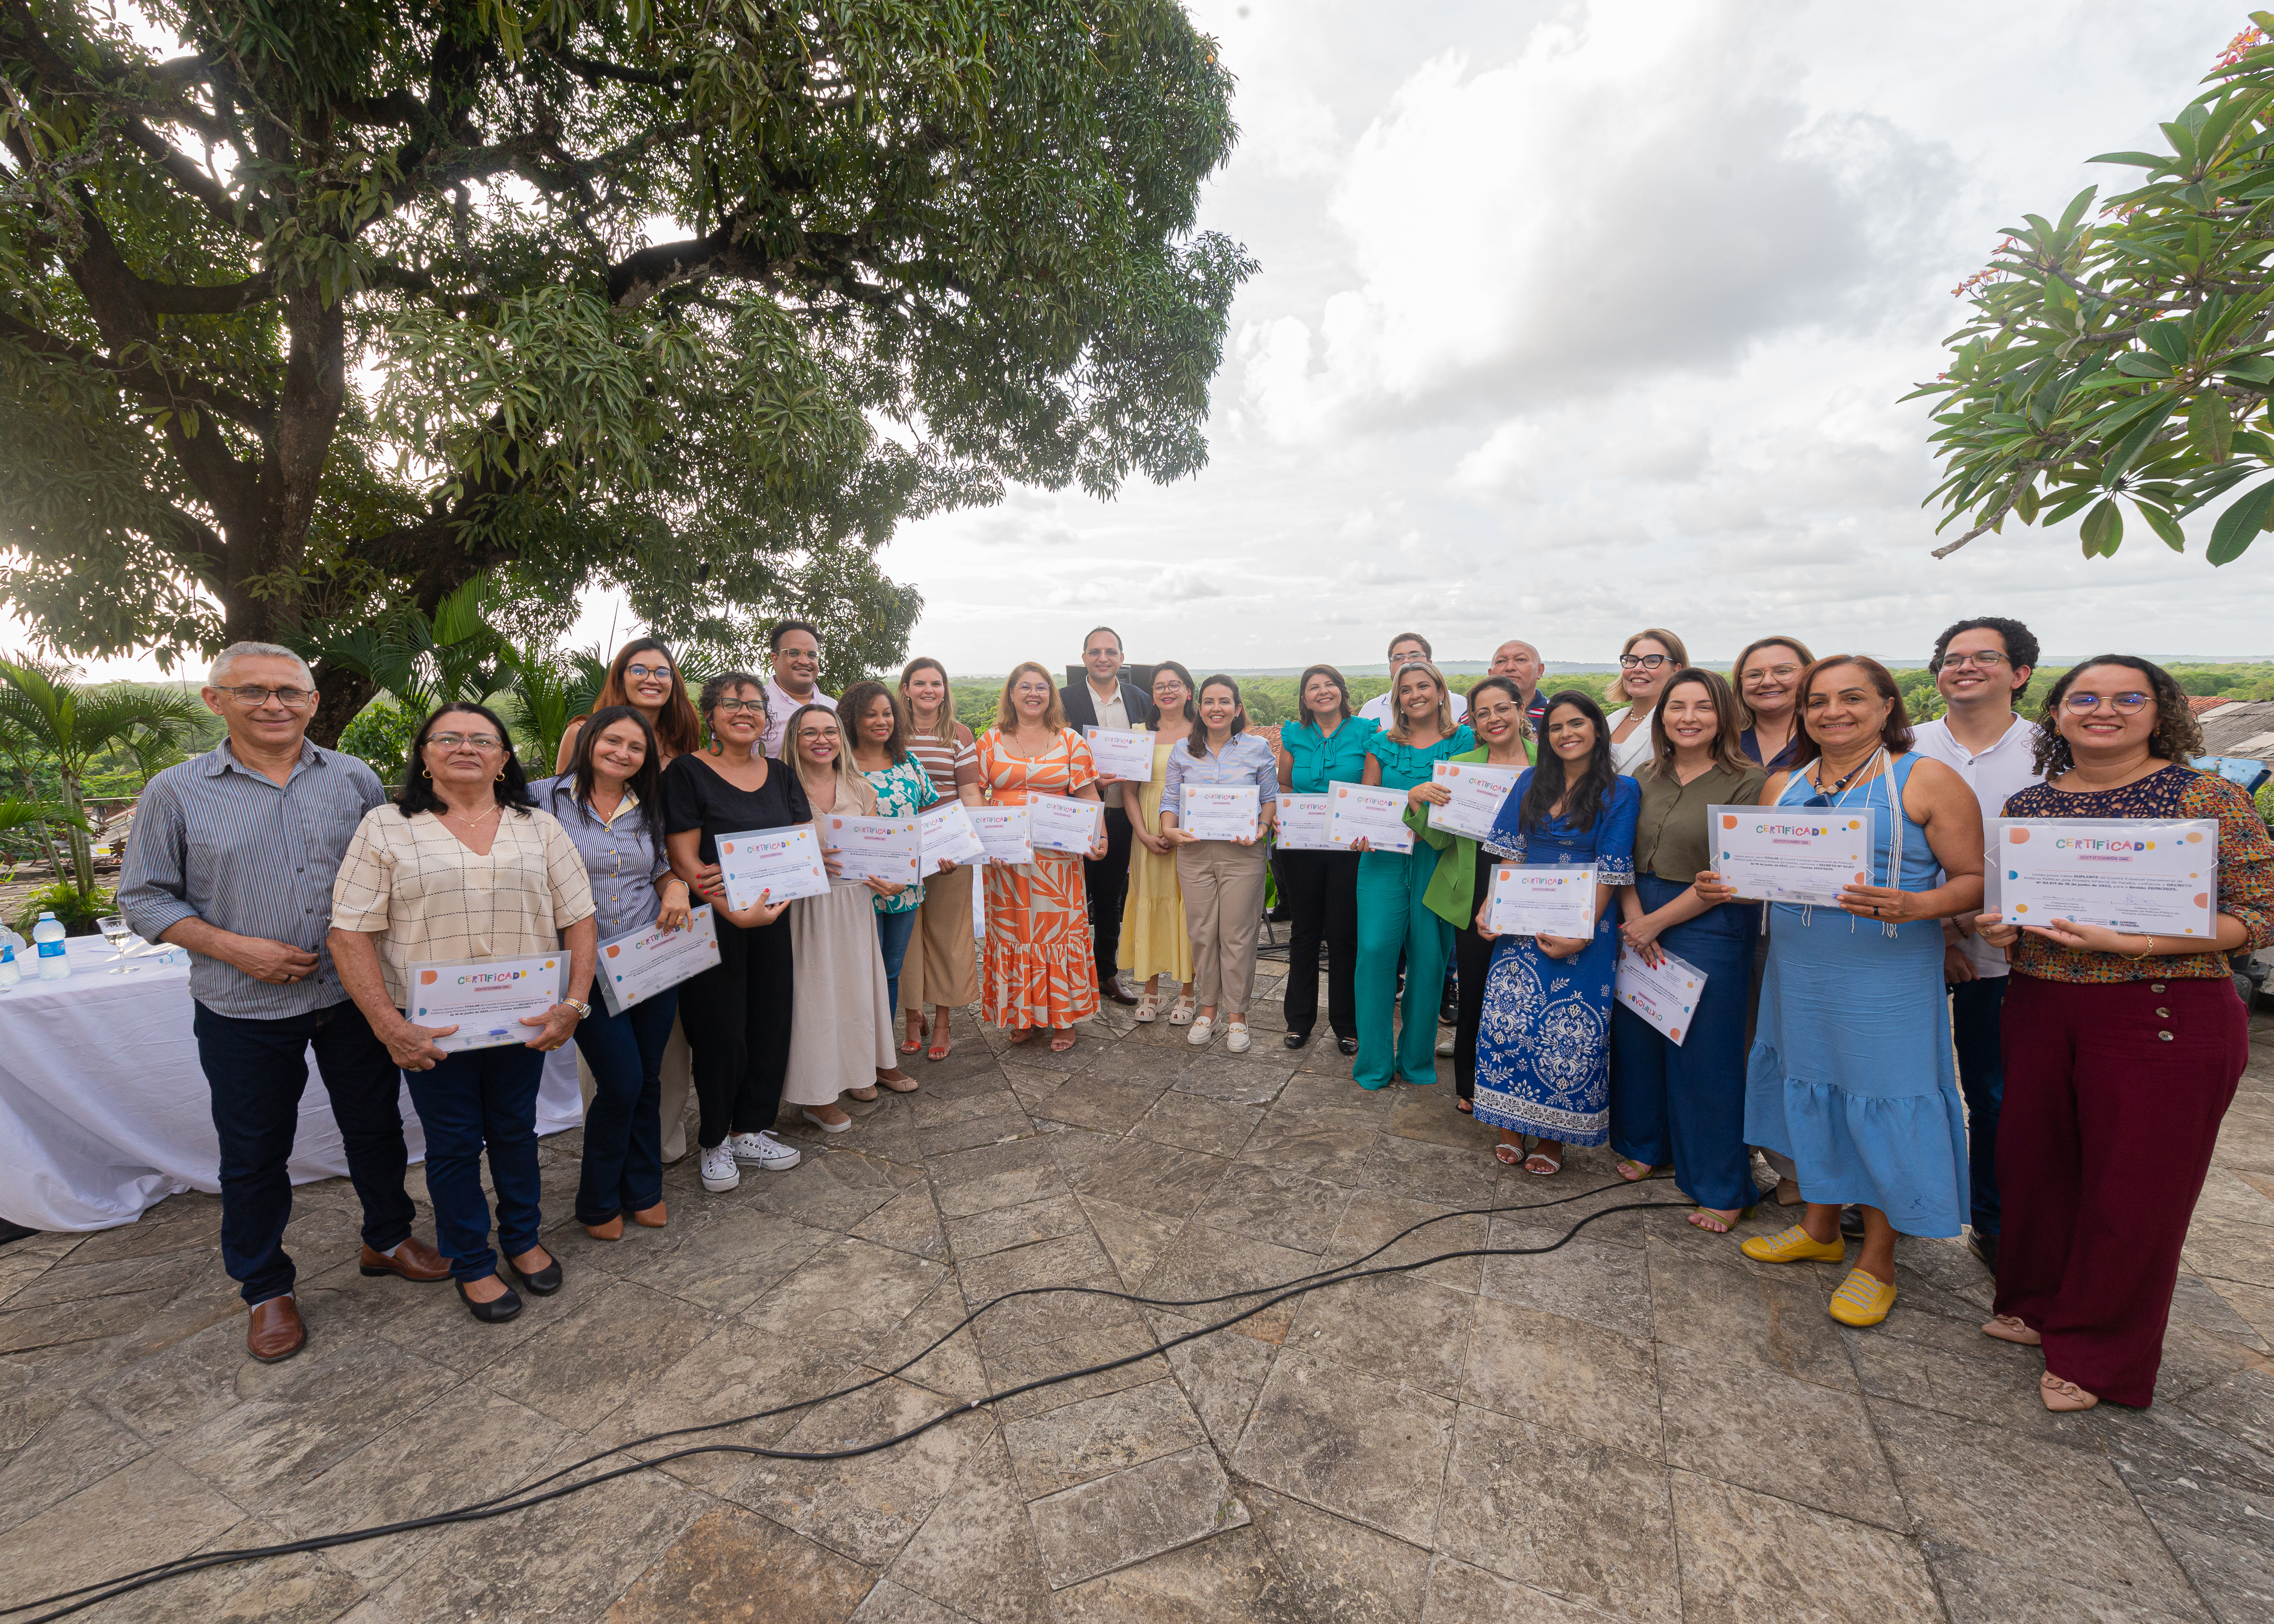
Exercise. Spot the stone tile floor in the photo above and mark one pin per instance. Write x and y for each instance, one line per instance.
(1639, 1425)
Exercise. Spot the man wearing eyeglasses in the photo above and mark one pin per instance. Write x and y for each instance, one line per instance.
(232, 856)
(1980, 668)
(1407, 649)
(796, 680)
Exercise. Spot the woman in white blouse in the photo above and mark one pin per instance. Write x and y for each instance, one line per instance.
(1646, 664)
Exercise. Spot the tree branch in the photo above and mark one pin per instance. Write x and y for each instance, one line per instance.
(155, 384)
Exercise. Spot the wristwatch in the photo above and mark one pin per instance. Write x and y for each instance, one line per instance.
(583, 1010)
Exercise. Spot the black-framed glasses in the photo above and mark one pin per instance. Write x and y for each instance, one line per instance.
(252, 695)
(736, 707)
(645, 672)
(2123, 704)
(1648, 662)
(1984, 659)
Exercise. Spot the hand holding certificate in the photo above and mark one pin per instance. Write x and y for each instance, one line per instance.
(944, 834)
(1219, 812)
(1120, 752)
(772, 866)
(1062, 824)
(486, 1005)
(1665, 994)
(1798, 854)
(872, 848)
(2144, 877)
(1368, 813)
(640, 964)
(1535, 899)
(1301, 823)
(1002, 834)
(1476, 793)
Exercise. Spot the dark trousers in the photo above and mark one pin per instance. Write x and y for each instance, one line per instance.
(1472, 964)
(1107, 878)
(736, 1015)
(1976, 1008)
(257, 1071)
(1321, 892)
(1682, 1105)
(477, 1100)
(623, 1125)
(2113, 1098)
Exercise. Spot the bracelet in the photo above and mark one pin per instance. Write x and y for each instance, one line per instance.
(2144, 952)
(583, 1010)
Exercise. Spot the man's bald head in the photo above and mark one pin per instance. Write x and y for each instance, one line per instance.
(1519, 662)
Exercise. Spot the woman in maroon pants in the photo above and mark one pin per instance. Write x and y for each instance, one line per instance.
(2122, 1048)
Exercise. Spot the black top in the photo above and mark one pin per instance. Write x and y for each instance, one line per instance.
(695, 797)
(1081, 706)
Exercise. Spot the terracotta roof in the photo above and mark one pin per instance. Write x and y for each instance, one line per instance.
(2200, 703)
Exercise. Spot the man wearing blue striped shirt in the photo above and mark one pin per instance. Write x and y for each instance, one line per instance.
(232, 856)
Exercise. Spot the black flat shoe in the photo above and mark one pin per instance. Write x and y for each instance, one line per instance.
(1348, 1046)
(544, 1282)
(495, 1311)
(1296, 1040)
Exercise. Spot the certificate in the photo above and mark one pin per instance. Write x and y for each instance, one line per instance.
(640, 964)
(871, 848)
(1477, 792)
(1301, 823)
(1002, 832)
(485, 1000)
(1061, 823)
(1537, 900)
(1666, 996)
(782, 864)
(2153, 877)
(945, 833)
(1121, 752)
(1802, 854)
(1218, 811)
(1364, 811)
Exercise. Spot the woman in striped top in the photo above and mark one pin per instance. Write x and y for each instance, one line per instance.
(942, 966)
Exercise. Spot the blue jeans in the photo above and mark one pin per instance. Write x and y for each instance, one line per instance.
(1978, 1010)
(623, 1125)
(257, 1071)
(893, 931)
(477, 1098)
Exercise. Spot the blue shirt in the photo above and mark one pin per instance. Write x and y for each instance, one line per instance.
(1245, 759)
(212, 839)
(1319, 759)
(623, 856)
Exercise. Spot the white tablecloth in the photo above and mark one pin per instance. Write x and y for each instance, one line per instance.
(104, 1109)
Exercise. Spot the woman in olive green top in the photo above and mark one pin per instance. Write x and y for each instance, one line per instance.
(1497, 712)
(1683, 1103)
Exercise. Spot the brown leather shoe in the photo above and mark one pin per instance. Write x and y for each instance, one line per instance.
(612, 1230)
(652, 1217)
(414, 1260)
(275, 1331)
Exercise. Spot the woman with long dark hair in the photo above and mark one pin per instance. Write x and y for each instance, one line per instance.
(645, 676)
(610, 802)
(1326, 745)
(1543, 1040)
(1222, 880)
(941, 967)
(2123, 1049)
(876, 732)
(462, 867)
(1155, 940)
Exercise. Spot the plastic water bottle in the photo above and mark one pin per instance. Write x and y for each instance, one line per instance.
(11, 972)
(48, 937)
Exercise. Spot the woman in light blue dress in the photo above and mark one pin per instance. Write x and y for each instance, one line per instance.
(1543, 1061)
(1850, 1073)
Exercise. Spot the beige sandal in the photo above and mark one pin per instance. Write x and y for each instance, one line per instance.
(2064, 1397)
(2012, 1328)
(1148, 1007)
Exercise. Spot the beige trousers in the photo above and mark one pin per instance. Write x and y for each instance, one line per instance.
(942, 966)
(1223, 909)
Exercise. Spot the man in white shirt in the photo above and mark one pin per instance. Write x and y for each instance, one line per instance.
(1103, 700)
(796, 680)
(1980, 668)
(1406, 648)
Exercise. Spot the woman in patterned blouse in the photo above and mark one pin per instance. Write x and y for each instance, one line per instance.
(2122, 1048)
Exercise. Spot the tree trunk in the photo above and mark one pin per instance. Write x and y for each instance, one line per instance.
(340, 694)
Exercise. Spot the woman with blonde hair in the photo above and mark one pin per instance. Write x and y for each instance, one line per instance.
(1766, 676)
(1647, 662)
(942, 966)
(1154, 939)
(1041, 966)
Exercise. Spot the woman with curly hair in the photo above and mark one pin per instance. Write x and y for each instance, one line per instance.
(2123, 1049)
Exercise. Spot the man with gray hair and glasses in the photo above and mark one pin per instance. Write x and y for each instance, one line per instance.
(232, 856)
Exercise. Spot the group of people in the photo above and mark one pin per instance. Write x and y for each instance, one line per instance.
(1907, 1063)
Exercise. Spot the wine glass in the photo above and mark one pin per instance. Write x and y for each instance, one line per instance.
(118, 932)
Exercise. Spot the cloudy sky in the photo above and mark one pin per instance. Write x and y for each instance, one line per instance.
(1575, 318)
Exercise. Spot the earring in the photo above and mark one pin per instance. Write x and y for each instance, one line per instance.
(499, 779)
(424, 773)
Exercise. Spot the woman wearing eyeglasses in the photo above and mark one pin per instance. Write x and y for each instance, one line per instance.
(1647, 662)
(2122, 1048)
(1766, 676)
(1850, 1073)
(1154, 942)
(461, 867)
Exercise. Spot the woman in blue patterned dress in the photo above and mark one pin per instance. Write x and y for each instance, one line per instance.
(1543, 1045)
(881, 754)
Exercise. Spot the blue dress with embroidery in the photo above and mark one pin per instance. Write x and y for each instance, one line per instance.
(1544, 1041)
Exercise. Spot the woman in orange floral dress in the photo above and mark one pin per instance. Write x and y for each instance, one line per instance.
(1039, 971)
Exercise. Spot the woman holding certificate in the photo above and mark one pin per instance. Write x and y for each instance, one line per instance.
(737, 1013)
(840, 1033)
(1153, 940)
(1646, 663)
(1851, 1074)
(1543, 1039)
(1216, 809)
(1392, 886)
(447, 887)
(941, 966)
(1463, 876)
(1321, 887)
(1041, 965)
(1679, 1098)
(610, 803)
(2123, 1047)
(903, 789)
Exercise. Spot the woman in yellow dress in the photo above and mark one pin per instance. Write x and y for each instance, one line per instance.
(1153, 940)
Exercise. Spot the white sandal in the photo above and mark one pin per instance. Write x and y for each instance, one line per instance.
(1235, 1037)
(1203, 1029)
(1148, 1007)
(1180, 1013)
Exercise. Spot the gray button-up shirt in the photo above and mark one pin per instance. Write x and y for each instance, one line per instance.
(624, 857)
(215, 840)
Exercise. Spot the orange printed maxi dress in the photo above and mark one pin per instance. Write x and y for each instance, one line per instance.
(1040, 968)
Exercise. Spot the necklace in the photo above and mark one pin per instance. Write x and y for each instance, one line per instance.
(1816, 777)
(470, 822)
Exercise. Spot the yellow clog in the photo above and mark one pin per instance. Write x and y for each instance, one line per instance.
(1794, 1245)
(1862, 1300)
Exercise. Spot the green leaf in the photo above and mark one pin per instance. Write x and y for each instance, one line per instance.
(2131, 364)
(2163, 525)
(2210, 426)
(2237, 527)
(2137, 160)
(2104, 530)
(2168, 339)
(2025, 504)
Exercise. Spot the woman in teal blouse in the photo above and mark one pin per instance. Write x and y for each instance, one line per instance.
(1321, 888)
(903, 789)
(1392, 912)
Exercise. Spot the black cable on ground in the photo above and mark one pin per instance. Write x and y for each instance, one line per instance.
(537, 1493)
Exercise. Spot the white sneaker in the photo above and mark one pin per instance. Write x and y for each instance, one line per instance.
(719, 1173)
(1203, 1029)
(1235, 1037)
(1444, 1039)
(764, 1149)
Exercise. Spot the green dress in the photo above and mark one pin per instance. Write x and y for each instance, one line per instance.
(1393, 916)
